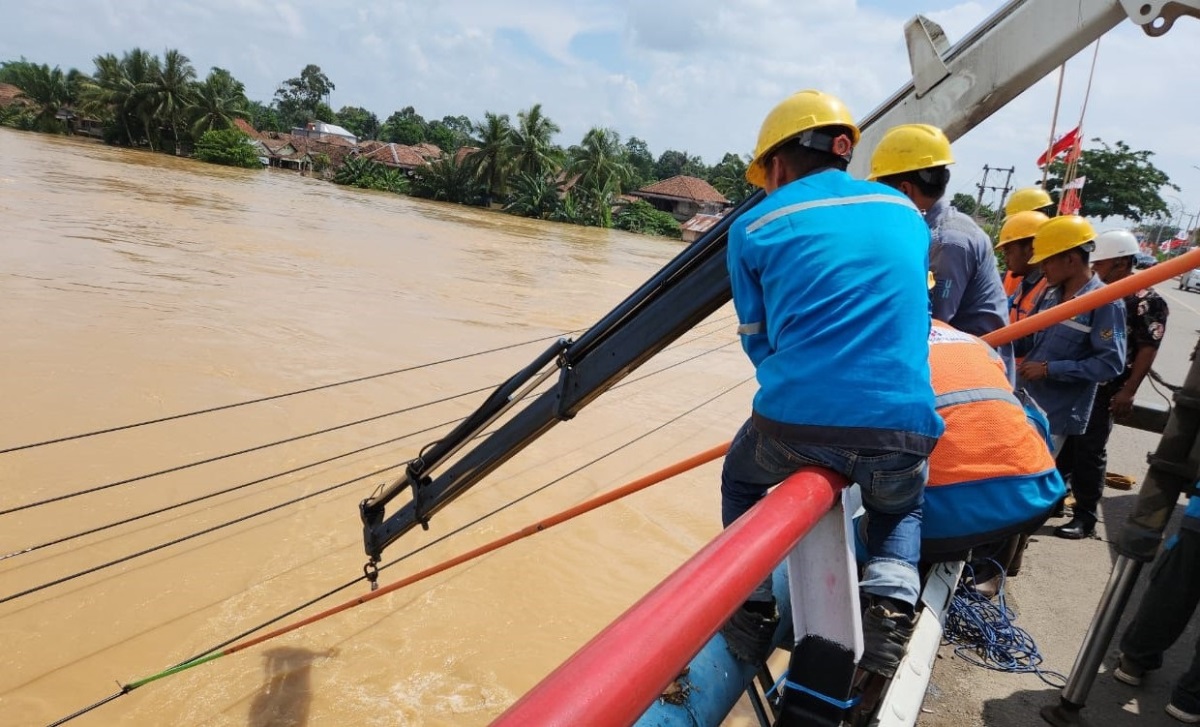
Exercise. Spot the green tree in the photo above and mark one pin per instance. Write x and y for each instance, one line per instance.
(532, 141)
(44, 87)
(533, 196)
(672, 163)
(170, 91)
(1121, 182)
(230, 147)
(449, 180)
(263, 117)
(642, 217)
(640, 161)
(729, 178)
(599, 162)
(359, 121)
(300, 99)
(493, 162)
(218, 100)
(368, 174)
(118, 94)
(405, 126)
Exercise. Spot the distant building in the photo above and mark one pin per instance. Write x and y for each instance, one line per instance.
(683, 197)
(699, 224)
(321, 131)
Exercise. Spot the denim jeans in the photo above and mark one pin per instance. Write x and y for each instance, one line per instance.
(893, 488)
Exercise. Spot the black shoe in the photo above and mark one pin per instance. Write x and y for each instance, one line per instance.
(748, 633)
(1077, 529)
(886, 631)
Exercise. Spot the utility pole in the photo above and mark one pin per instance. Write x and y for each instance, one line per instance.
(1002, 189)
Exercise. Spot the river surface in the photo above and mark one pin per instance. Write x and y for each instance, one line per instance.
(137, 286)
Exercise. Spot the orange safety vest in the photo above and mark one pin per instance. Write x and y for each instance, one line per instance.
(1022, 306)
(1011, 283)
(991, 474)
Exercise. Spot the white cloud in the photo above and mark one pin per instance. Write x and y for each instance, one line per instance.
(697, 75)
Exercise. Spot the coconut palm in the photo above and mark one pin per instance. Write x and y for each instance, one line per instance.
(218, 100)
(534, 152)
(170, 92)
(493, 161)
(44, 87)
(533, 196)
(119, 91)
(599, 163)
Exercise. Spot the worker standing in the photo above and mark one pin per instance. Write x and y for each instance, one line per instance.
(829, 283)
(1026, 199)
(968, 292)
(1016, 244)
(1064, 364)
(1085, 457)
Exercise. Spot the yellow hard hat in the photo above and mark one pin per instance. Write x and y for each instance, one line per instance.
(1059, 235)
(909, 147)
(1027, 198)
(801, 112)
(1020, 226)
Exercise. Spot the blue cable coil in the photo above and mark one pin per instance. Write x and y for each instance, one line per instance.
(984, 634)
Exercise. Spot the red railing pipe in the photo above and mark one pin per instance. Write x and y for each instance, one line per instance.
(617, 675)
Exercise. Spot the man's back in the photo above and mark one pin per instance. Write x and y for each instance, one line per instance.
(969, 293)
(829, 278)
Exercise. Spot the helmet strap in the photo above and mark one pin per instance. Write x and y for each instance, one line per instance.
(839, 145)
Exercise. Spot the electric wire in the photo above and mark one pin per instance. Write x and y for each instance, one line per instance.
(201, 498)
(273, 397)
(146, 551)
(984, 634)
(227, 455)
(215, 651)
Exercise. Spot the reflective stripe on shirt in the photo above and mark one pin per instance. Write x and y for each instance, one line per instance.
(836, 202)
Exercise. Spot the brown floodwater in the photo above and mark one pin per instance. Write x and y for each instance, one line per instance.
(138, 286)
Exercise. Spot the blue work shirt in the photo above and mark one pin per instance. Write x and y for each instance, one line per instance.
(829, 278)
(1081, 352)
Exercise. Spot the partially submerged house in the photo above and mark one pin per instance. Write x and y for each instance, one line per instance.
(683, 197)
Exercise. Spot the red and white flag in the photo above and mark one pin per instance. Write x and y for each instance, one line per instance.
(1062, 144)
(1076, 183)
(1070, 203)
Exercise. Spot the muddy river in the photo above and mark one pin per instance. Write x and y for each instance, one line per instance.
(138, 286)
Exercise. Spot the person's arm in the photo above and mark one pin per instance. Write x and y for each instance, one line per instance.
(1148, 329)
(1107, 357)
(747, 298)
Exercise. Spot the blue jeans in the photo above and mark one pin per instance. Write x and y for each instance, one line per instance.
(893, 488)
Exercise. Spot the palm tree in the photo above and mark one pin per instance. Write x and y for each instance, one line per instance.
(448, 179)
(533, 196)
(493, 161)
(218, 100)
(533, 151)
(599, 162)
(170, 93)
(44, 87)
(119, 92)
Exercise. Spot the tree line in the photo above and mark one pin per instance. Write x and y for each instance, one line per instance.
(141, 99)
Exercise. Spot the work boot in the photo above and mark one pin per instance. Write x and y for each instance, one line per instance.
(748, 633)
(1077, 529)
(887, 627)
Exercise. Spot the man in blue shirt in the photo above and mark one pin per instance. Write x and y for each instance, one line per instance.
(829, 278)
(1064, 364)
(968, 292)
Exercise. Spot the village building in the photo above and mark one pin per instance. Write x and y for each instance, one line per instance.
(683, 197)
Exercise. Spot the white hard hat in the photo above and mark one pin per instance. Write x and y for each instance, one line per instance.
(1114, 243)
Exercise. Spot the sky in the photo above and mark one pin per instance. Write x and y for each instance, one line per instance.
(692, 75)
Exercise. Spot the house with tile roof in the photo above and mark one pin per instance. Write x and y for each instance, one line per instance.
(683, 197)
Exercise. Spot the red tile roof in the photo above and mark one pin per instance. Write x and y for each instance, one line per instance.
(10, 94)
(427, 150)
(247, 128)
(463, 153)
(682, 187)
(394, 155)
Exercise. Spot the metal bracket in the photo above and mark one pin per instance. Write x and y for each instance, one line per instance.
(1157, 16)
(926, 43)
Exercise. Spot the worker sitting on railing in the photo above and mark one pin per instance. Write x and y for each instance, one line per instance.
(828, 277)
(991, 476)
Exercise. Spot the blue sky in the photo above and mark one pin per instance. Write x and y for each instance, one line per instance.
(696, 75)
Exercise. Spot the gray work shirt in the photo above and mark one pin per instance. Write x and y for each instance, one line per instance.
(968, 292)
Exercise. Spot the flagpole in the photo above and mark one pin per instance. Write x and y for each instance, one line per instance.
(1062, 70)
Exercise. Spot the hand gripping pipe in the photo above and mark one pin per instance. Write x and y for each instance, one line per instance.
(613, 678)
